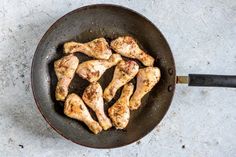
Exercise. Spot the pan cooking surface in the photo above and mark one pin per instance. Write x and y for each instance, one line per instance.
(83, 25)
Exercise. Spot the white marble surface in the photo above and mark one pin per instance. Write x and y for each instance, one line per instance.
(201, 121)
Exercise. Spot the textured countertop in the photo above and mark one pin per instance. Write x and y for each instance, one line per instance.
(200, 122)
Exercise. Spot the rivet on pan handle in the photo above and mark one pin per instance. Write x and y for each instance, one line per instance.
(208, 80)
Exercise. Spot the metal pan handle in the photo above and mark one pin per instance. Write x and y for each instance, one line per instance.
(208, 80)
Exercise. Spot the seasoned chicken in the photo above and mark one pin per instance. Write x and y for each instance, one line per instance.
(119, 112)
(92, 96)
(127, 46)
(97, 48)
(124, 72)
(76, 109)
(92, 70)
(147, 78)
(65, 70)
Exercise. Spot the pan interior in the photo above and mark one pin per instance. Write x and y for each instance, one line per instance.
(86, 24)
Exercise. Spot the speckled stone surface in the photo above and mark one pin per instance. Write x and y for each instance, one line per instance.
(200, 122)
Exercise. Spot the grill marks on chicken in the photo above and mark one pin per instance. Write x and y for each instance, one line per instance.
(147, 78)
(92, 96)
(127, 46)
(93, 70)
(76, 109)
(124, 72)
(119, 112)
(97, 48)
(65, 70)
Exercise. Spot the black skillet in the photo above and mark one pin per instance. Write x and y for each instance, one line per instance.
(109, 21)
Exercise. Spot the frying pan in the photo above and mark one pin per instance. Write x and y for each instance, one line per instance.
(109, 21)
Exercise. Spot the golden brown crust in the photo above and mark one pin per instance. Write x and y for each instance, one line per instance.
(147, 78)
(92, 96)
(76, 109)
(124, 72)
(65, 70)
(119, 112)
(97, 48)
(128, 47)
(92, 70)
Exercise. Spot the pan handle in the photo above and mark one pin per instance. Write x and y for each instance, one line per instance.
(208, 80)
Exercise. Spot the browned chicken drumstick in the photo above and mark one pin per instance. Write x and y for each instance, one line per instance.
(124, 72)
(65, 70)
(97, 48)
(147, 78)
(127, 46)
(92, 96)
(119, 112)
(76, 109)
(92, 70)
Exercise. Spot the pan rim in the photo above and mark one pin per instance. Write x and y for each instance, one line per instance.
(50, 29)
